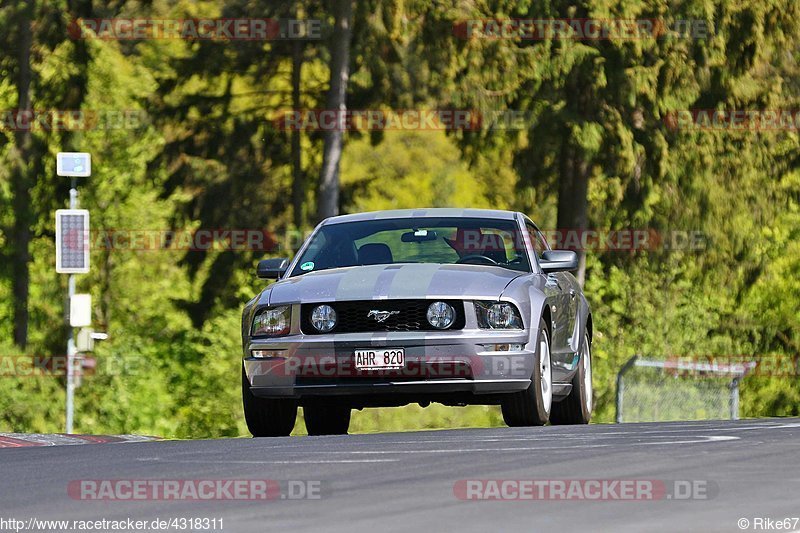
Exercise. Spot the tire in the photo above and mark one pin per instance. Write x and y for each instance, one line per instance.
(324, 419)
(267, 417)
(531, 407)
(577, 407)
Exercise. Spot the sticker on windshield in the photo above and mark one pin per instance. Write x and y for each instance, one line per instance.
(308, 265)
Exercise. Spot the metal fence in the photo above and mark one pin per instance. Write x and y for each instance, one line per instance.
(651, 390)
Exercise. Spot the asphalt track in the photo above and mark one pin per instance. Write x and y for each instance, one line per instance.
(748, 469)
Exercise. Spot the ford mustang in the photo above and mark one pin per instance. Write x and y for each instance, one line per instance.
(456, 306)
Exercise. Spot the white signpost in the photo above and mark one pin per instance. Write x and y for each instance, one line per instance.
(80, 311)
(72, 257)
(74, 164)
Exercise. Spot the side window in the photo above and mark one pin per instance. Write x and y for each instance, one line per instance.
(542, 241)
(537, 240)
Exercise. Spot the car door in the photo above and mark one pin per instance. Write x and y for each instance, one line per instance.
(562, 355)
(571, 296)
(554, 288)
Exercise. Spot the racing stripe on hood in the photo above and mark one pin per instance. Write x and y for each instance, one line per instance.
(413, 282)
(358, 284)
(469, 285)
(384, 284)
(422, 213)
(399, 281)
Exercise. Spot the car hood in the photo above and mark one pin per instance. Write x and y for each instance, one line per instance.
(397, 281)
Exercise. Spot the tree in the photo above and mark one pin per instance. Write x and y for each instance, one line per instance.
(298, 176)
(328, 197)
(20, 177)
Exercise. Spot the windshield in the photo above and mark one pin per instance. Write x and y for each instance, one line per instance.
(475, 241)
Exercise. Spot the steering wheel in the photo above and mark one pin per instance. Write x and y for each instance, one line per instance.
(480, 258)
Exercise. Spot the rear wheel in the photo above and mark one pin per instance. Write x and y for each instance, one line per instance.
(577, 407)
(267, 417)
(324, 419)
(531, 407)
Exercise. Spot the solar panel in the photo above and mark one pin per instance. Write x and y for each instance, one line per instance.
(72, 241)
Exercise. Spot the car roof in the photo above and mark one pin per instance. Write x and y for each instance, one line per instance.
(424, 212)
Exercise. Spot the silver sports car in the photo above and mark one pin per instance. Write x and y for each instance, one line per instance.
(457, 306)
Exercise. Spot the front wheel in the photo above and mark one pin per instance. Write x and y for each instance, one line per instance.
(577, 407)
(267, 417)
(531, 407)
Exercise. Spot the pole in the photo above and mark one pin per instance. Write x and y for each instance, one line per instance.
(734, 400)
(621, 386)
(71, 351)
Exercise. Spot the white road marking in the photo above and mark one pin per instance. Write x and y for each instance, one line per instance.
(549, 439)
(323, 461)
(699, 439)
(553, 440)
(292, 462)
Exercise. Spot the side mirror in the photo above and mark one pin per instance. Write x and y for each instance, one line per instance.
(272, 268)
(558, 261)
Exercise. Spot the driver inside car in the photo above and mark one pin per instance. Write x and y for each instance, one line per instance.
(473, 242)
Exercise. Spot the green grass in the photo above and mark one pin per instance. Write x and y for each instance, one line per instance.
(416, 418)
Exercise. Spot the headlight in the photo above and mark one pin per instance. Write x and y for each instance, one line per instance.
(441, 315)
(323, 317)
(273, 322)
(499, 315)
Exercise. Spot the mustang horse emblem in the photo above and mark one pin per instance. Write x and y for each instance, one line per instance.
(381, 316)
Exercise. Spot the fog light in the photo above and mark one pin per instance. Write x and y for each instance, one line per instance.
(263, 354)
(504, 347)
(441, 315)
(323, 318)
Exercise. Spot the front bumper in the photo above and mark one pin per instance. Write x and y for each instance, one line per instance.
(436, 363)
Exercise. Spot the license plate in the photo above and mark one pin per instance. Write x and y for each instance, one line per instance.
(380, 358)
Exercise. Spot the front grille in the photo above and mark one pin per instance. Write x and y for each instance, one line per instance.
(352, 317)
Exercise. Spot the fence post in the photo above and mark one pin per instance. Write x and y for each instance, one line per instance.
(734, 402)
(621, 385)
